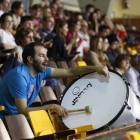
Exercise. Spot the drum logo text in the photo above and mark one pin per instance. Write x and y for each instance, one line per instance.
(76, 91)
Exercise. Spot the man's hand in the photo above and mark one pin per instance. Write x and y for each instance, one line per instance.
(61, 111)
(102, 70)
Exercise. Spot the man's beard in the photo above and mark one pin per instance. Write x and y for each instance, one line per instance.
(37, 67)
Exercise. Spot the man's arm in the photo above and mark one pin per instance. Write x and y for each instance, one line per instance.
(102, 70)
(21, 104)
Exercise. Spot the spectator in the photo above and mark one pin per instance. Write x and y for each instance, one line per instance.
(83, 34)
(60, 13)
(113, 45)
(95, 55)
(106, 21)
(79, 16)
(74, 28)
(105, 43)
(26, 21)
(93, 24)
(105, 48)
(5, 6)
(47, 26)
(47, 12)
(132, 75)
(36, 16)
(104, 31)
(59, 49)
(122, 63)
(89, 9)
(98, 12)
(7, 41)
(54, 8)
(17, 11)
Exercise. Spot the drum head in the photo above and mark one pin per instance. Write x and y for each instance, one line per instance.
(105, 95)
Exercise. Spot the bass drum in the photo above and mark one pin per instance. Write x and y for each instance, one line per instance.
(107, 96)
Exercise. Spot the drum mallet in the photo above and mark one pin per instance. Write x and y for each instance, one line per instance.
(87, 109)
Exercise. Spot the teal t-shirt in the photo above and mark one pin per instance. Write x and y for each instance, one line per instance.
(18, 83)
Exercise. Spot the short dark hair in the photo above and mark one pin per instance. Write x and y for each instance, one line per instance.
(30, 51)
(89, 6)
(4, 16)
(71, 23)
(97, 9)
(112, 38)
(26, 18)
(36, 7)
(103, 27)
(15, 5)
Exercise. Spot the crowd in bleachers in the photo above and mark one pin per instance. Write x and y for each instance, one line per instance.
(31, 83)
(66, 35)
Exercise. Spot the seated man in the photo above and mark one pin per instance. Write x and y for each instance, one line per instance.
(113, 46)
(20, 86)
(132, 75)
(5, 6)
(47, 26)
(83, 34)
(104, 31)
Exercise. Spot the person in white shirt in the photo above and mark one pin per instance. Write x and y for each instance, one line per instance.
(5, 6)
(132, 75)
(83, 34)
(7, 41)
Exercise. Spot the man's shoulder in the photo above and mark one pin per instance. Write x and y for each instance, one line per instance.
(19, 71)
(14, 76)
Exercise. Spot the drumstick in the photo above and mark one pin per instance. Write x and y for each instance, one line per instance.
(87, 109)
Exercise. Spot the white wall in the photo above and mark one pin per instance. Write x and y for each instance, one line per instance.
(106, 6)
(72, 2)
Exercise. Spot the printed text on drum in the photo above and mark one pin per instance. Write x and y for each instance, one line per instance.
(76, 91)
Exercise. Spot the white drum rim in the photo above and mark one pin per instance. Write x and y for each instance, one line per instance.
(114, 119)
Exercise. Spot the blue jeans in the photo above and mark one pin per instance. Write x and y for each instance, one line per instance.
(52, 83)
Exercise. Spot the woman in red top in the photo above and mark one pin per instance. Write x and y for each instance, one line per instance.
(74, 28)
